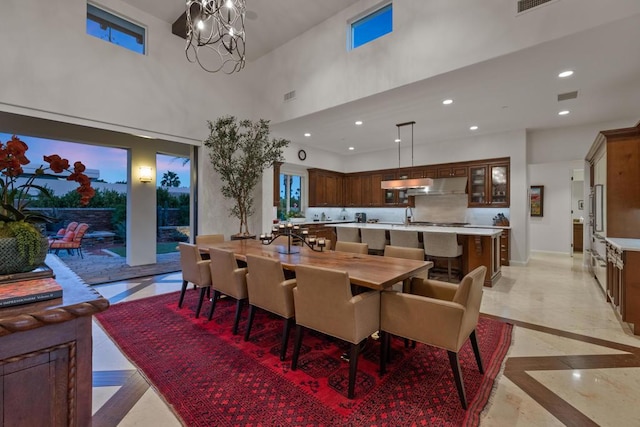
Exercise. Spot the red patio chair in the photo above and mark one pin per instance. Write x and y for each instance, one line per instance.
(71, 240)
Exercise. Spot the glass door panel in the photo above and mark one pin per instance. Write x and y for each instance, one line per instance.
(477, 185)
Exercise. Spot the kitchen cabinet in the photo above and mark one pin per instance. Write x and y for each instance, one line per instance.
(325, 188)
(488, 185)
(372, 193)
(623, 283)
(504, 247)
(447, 171)
(397, 198)
(354, 190)
(425, 172)
(577, 237)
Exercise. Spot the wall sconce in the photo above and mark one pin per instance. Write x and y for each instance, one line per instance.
(146, 174)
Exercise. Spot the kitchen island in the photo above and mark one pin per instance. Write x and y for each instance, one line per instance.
(480, 246)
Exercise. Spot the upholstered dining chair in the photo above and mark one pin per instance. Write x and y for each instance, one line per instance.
(375, 238)
(324, 302)
(436, 313)
(356, 248)
(269, 291)
(407, 253)
(228, 279)
(347, 234)
(442, 245)
(209, 238)
(194, 270)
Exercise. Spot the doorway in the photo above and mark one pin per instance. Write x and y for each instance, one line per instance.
(578, 211)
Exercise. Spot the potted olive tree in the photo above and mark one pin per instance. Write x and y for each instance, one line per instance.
(240, 151)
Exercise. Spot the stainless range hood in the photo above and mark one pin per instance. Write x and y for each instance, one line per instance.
(442, 186)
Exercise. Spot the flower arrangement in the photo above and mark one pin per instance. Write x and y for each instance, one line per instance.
(16, 219)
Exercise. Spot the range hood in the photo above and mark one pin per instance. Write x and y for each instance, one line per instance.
(442, 186)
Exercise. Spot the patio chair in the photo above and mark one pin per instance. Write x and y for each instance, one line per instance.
(71, 240)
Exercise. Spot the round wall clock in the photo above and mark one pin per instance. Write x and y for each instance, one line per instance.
(302, 154)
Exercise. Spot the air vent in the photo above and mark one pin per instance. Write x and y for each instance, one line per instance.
(290, 96)
(567, 95)
(530, 4)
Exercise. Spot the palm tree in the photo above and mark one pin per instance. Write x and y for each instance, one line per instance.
(170, 179)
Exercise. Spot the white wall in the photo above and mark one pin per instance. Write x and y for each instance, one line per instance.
(429, 38)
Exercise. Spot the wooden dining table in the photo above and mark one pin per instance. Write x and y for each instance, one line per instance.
(370, 271)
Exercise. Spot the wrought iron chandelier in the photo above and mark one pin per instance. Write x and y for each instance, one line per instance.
(215, 34)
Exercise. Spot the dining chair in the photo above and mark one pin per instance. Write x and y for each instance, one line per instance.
(376, 239)
(228, 279)
(442, 245)
(324, 302)
(436, 313)
(403, 238)
(407, 253)
(269, 291)
(194, 270)
(356, 248)
(209, 238)
(348, 234)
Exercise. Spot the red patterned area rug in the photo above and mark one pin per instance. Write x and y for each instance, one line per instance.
(211, 377)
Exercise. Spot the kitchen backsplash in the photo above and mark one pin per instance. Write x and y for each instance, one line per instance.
(437, 210)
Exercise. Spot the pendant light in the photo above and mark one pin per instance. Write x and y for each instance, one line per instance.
(403, 184)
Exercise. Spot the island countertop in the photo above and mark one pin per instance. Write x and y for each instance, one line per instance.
(468, 231)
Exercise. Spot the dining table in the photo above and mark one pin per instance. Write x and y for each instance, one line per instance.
(369, 271)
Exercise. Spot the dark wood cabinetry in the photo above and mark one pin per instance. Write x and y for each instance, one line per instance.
(488, 185)
(45, 357)
(623, 285)
(354, 186)
(504, 247)
(447, 171)
(577, 236)
(325, 188)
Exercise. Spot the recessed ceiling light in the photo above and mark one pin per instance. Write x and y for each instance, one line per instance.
(447, 101)
(565, 73)
(563, 113)
(359, 122)
(307, 134)
(398, 140)
(351, 148)
(474, 127)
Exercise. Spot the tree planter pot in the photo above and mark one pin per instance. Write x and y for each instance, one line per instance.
(12, 262)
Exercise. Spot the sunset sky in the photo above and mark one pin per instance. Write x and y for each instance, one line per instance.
(111, 162)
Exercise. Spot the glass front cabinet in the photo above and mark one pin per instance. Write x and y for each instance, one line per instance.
(489, 185)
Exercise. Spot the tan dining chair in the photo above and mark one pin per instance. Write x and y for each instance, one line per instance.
(324, 302)
(194, 270)
(209, 239)
(269, 291)
(375, 238)
(348, 234)
(403, 238)
(442, 245)
(436, 313)
(356, 248)
(228, 279)
(407, 253)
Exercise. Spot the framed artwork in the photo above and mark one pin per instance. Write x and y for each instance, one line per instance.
(536, 200)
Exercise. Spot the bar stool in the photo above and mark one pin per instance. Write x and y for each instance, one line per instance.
(346, 234)
(376, 239)
(442, 245)
(404, 239)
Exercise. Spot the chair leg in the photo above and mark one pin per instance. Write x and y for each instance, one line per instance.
(252, 312)
(457, 375)
(353, 368)
(216, 295)
(80, 252)
(182, 291)
(383, 352)
(203, 290)
(296, 347)
(476, 350)
(285, 337)
(239, 305)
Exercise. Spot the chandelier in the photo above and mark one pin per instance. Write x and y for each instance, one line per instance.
(215, 34)
(404, 183)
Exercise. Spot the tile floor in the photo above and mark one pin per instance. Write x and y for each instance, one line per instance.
(572, 361)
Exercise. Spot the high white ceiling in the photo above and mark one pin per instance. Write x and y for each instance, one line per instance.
(517, 91)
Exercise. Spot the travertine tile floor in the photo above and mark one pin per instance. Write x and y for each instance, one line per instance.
(572, 361)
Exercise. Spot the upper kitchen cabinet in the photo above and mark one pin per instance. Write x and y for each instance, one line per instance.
(446, 171)
(354, 190)
(489, 184)
(372, 192)
(393, 198)
(325, 188)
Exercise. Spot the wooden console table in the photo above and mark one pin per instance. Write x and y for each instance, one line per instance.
(46, 356)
